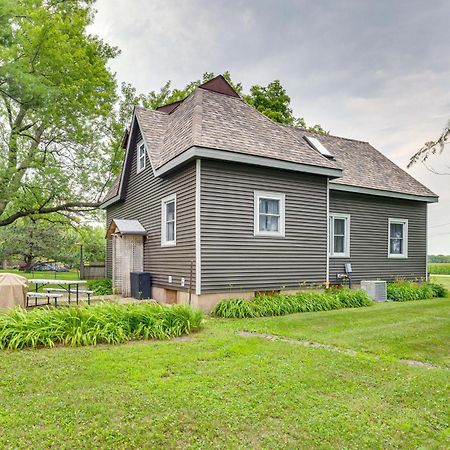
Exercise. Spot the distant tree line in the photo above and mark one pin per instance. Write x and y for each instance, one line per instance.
(435, 259)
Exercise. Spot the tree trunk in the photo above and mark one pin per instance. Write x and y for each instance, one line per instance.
(29, 263)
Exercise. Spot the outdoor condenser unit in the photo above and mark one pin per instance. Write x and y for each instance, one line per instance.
(376, 290)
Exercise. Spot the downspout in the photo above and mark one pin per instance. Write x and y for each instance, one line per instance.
(327, 279)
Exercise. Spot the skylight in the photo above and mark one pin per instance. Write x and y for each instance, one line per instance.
(315, 143)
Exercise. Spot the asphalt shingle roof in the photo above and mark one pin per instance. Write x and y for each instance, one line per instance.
(211, 119)
(364, 166)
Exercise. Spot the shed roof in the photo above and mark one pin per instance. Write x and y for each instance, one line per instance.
(125, 227)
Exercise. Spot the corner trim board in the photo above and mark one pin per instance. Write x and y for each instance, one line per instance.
(198, 242)
(327, 274)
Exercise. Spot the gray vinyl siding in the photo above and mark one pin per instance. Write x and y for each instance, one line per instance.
(369, 217)
(232, 258)
(142, 201)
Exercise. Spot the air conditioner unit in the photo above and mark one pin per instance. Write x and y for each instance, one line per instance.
(376, 290)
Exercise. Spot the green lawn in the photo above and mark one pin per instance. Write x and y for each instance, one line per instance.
(72, 275)
(218, 389)
(444, 280)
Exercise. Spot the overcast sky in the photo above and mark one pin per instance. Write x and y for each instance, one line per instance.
(372, 70)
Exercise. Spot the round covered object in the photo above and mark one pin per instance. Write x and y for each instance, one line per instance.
(13, 289)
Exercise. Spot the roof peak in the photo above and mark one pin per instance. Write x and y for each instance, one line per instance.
(220, 85)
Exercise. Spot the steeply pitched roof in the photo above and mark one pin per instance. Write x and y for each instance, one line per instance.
(364, 166)
(215, 117)
(220, 121)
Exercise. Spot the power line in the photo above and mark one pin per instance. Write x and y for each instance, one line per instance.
(439, 234)
(441, 225)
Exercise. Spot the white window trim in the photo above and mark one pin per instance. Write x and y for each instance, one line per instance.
(271, 196)
(404, 222)
(164, 201)
(346, 253)
(138, 158)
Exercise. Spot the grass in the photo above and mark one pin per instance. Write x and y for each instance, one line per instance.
(279, 305)
(72, 275)
(443, 280)
(394, 330)
(103, 323)
(439, 268)
(216, 389)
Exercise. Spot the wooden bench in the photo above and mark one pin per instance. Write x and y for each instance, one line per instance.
(72, 291)
(38, 295)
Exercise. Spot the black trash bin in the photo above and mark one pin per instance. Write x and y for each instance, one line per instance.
(141, 285)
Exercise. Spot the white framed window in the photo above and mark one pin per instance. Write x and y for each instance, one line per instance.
(141, 157)
(398, 238)
(269, 214)
(339, 235)
(169, 221)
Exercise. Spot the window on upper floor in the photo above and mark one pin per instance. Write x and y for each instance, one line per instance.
(141, 160)
(398, 238)
(269, 214)
(169, 221)
(339, 228)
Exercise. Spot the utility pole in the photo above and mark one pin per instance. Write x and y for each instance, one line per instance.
(81, 263)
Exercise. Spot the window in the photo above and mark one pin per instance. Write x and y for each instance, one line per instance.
(340, 235)
(140, 157)
(169, 221)
(269, 214)
(398, 238)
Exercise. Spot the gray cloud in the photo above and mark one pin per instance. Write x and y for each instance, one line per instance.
(378, 71)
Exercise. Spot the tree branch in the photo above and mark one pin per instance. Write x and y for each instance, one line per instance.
(71, 206)
(431, 147)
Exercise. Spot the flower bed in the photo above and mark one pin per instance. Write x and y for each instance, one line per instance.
(103, 323)
(278, 305)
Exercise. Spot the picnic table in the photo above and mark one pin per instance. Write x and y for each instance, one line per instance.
(70, 286)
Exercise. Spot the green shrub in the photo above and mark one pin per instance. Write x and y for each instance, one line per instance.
(279, 305)
(103, 323)
(404, 291)
(439, 268)
(101, 287)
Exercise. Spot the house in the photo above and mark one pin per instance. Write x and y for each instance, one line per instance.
(215, 195)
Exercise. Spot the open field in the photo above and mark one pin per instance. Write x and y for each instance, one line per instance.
(439, 268)
(220, 389)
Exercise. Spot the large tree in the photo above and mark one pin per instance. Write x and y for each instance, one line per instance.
(28, 240)
(56, 94)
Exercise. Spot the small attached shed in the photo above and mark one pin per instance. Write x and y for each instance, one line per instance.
(127, 252)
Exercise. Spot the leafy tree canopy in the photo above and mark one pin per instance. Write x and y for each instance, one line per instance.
(51, 238)
(56, 94)
(29, 240)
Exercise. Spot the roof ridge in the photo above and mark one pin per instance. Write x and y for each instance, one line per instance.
(197, 116)
(329, 135)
